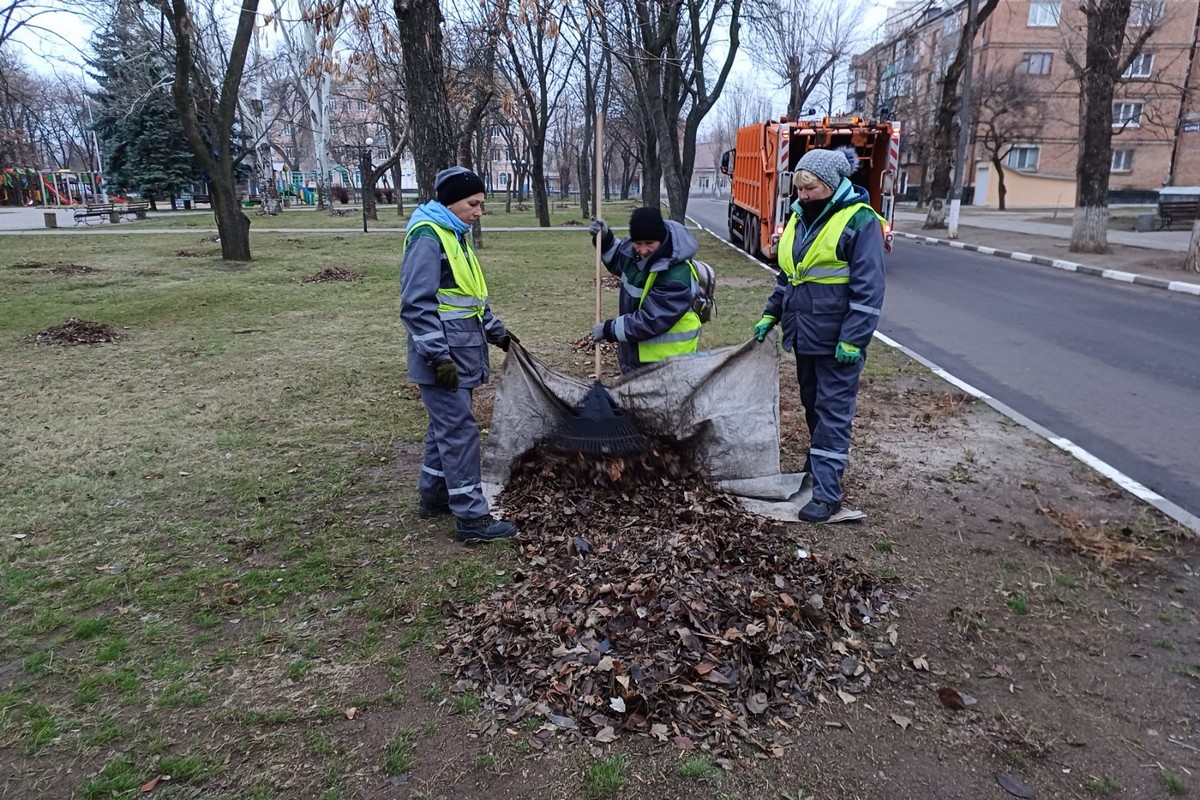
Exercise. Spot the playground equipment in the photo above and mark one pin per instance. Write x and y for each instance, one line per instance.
(33, 187)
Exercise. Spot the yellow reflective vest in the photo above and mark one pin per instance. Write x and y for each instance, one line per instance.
(470, 297)
(682, 337)
(820, 263)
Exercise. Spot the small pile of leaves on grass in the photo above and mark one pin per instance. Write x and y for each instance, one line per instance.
(210, 239)
(334, 274)
(56, 269)
(192, 254)
(585, 344)
(72, 269)
(76, 331)
(651, 604)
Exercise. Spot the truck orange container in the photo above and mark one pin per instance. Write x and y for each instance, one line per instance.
(764, 158)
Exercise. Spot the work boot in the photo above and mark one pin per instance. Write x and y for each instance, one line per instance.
(819, 511)
(483, 529)
(428, 508)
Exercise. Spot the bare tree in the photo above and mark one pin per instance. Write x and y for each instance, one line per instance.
(1108, 51)
(1009, 110)
(801, 42)
(538, 68)
(944, 141)
(665, 48)
(207, 103)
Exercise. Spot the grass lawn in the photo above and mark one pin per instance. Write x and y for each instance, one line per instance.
(616, 211)
(208, 539)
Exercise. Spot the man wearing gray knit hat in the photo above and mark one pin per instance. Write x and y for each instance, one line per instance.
(827, 298)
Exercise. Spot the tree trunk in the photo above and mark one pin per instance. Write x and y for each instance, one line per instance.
(945, 130)
(232, 225)
(651, 173)
(1193, 253)
(541, 203)
(1106, 22)
(1089, 229)
(429, 119)
(1001, 189)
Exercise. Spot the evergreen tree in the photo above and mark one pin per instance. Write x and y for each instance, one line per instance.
(144, 144)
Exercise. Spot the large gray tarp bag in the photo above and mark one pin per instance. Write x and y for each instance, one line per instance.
(725, 400)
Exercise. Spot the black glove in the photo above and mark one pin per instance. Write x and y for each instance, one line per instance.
(506, 340)
(447, 375)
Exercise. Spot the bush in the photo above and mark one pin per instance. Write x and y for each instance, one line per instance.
(339, 194)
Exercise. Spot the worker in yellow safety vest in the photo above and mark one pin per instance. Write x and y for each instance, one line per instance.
(827, 298)
(659, 285)
(445, 311)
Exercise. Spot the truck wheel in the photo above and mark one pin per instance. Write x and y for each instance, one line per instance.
(732, 219)
(750, 236)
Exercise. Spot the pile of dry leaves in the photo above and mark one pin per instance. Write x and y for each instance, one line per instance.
(652, 604)
(333, 275)
(76, 331)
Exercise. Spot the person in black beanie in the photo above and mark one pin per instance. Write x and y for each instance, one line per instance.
(445, 311)
(658, 287)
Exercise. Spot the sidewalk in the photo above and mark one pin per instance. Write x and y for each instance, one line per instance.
(1149, 259)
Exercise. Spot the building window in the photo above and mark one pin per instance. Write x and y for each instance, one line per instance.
(1044, 14)
(1036, 63)
(289, 153)
(1122, 160)
(1127, 115)
(362, 105)
(504, 179)
(1023, 158)
(1140, 67)
(1144, 13)
(704, 182)
(287, 129)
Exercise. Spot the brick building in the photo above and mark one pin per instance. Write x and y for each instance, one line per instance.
(1022, 61)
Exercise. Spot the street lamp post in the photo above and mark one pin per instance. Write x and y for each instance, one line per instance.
(364, 171)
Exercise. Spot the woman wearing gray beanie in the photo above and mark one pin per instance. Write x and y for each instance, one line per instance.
(827, 298)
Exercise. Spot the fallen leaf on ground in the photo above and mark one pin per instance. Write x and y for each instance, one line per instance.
(902, 721)
(1014, 787)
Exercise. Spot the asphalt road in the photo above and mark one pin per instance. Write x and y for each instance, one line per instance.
(1113, 367)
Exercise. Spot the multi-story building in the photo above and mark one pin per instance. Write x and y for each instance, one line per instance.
(1025, 89)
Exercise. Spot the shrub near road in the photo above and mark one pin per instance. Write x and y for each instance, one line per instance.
(211, 566)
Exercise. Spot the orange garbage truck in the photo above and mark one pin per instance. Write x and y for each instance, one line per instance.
(764, 158)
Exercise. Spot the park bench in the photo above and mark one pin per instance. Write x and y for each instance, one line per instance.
(102, 212)
(135, 210)
(1183, 209)
(201, 198)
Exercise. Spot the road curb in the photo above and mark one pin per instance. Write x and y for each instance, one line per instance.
(1058, 263)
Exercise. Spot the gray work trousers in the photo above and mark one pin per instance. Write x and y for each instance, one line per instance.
(451, 467)
(828, 392)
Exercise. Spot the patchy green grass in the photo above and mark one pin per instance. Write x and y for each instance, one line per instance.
(1172, 783)
(699, 768)
(348, 217)
(1102, 786)
(212, 522)
(1017, 603)
(605, 777)
(400, 759)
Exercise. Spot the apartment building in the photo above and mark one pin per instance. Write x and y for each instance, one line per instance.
(1025, 112)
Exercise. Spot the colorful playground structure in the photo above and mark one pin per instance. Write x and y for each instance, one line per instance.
(49, 188)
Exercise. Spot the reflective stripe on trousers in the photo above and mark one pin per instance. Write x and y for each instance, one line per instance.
(829, 393)
(451, 468)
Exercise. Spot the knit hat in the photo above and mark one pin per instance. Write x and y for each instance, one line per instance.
(646, 225)
(453, 184)
(830, 165)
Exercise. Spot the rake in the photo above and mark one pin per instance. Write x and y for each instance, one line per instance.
(598, 426)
